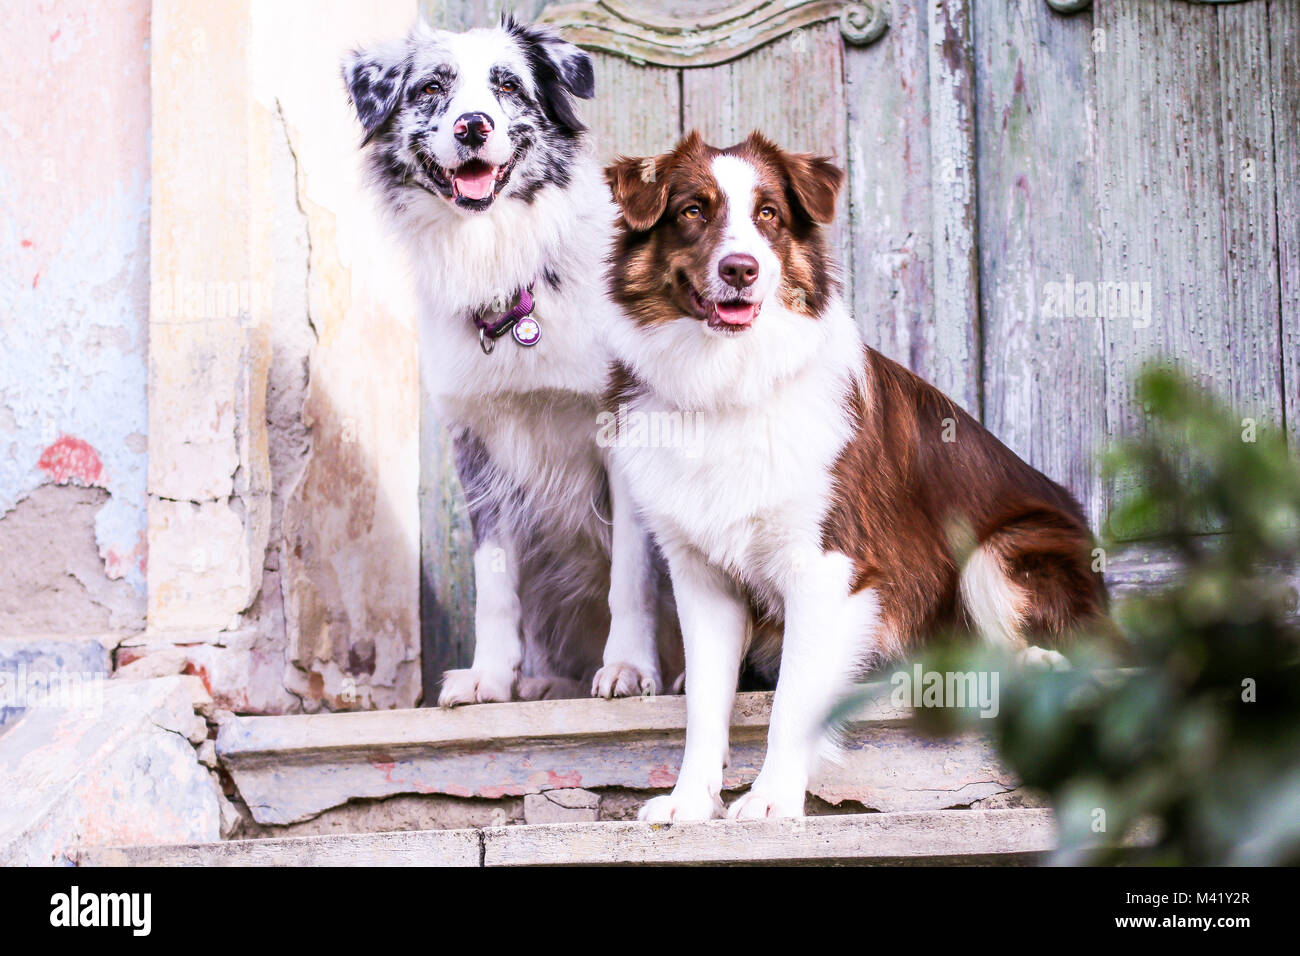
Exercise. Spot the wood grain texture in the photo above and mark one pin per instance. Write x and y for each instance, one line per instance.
(1250, 217)
(1182, 104)
(467, 14)
(953, 209)
(637, 109)
(1284, 56)
(1044, 373)
(792, 90)
(889, 191)
(446, 558)
(1142, 568)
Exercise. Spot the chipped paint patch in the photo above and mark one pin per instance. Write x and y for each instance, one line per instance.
(71, 459)
(60, 586)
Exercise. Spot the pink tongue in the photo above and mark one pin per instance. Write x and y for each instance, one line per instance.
(476, 185)
(736, 314)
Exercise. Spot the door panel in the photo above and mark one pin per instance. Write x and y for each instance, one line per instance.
(637, 110)
(1186, 204)
(1044, 374)
(887, 107)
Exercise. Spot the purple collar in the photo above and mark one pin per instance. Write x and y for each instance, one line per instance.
(493, 324)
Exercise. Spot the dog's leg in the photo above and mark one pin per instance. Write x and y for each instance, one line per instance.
(631, 660)
(715, 622)
(498, 644)
(826, 630)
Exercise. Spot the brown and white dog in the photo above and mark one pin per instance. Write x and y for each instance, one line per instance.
(815, 510)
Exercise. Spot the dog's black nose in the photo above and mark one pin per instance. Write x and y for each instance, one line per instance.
(738, 270)
(473, 129)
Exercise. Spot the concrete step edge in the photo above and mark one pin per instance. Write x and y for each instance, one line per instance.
(291, 769)
(247, 739)
(946, 836)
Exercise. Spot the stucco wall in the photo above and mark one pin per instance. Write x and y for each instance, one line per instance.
(74, 290)
(284, 414)
(190, 253)
(351, 522)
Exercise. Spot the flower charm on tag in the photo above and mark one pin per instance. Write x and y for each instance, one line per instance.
(527, 331)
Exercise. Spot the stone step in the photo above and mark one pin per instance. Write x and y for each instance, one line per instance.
(929, 837)
(292, 769)
(52, 670)
(117, 766)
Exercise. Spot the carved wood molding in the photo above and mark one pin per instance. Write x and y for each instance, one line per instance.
(613, 26)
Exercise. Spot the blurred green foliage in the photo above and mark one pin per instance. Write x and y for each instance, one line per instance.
(1196, 739)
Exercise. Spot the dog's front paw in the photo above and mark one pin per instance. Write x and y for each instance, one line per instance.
(682, 807)
(476, 687)
(624, 680)
(761, 804)
(1041, 659)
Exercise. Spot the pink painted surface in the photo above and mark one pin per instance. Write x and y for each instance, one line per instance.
(71, 459)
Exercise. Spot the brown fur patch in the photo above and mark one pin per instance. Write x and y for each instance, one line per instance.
(905, 500)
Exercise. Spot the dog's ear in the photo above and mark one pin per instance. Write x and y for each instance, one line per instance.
(376, 81)
(640, 187)
(814, 182)
(561, 70)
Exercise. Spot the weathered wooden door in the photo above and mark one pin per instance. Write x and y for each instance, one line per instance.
(1042, 195)
(1138, 176)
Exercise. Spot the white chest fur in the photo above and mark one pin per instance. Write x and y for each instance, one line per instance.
(749, 484)
(462, 263)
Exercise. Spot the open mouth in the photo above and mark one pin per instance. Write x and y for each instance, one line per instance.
(471, 185)
(730, 316)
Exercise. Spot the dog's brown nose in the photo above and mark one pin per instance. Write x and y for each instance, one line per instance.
(739, 270)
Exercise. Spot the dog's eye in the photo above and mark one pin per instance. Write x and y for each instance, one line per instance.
(509, 86)
(692, 212)
(433, 89)
(766, 214)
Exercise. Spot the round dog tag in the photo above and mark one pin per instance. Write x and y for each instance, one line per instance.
(527, 331)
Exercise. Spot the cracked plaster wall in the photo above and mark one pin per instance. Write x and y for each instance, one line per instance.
(74, 286)
(349, 559)
(188, 213)
(284, 467)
